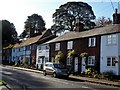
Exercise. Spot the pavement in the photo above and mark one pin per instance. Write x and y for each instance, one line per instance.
(4, 87)
(87, 79)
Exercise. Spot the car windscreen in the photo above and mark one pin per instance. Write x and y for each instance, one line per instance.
(58, 66)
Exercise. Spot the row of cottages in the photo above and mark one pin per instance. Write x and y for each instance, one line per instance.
(26, 50)
(6, 54)
(102, 46)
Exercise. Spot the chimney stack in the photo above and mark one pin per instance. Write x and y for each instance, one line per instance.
(78, 26)
(116, 17)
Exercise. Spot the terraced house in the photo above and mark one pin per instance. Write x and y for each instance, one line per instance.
(97, 48)
(26, 49)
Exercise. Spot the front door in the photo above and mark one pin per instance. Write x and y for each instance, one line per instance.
(83, 64)
(42, 59)
(76, 65)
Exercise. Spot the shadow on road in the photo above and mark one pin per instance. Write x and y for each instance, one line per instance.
(19, 80)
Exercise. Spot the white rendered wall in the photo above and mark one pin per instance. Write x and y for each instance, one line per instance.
(108, 51)
(119, 51)
(42, 52)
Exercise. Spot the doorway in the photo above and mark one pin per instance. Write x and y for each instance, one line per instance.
(76, 65)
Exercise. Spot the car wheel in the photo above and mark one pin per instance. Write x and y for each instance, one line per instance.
(44, 73)
(54, 75)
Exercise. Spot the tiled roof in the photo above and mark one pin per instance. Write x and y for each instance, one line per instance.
(113, 28)
(29, 41)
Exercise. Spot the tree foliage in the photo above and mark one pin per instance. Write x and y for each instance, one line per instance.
(9, 33)
(59, 57)
(71, 53)
(65, 17)
(102, 21)
(34, 25)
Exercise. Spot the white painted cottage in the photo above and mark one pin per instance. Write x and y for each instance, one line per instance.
(110, 47)
(20, 52)
(26, 49)
(110, 51)
(42, 55)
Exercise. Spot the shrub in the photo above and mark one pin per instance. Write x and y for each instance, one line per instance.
(108, 75)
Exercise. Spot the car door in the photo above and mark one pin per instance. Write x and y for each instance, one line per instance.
(49, 69)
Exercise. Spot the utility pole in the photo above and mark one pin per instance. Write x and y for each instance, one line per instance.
(118, 6)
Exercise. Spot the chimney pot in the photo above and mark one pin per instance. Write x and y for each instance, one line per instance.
(116, 11)
(116, 17)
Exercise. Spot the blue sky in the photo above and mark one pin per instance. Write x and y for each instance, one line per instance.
(16, 11)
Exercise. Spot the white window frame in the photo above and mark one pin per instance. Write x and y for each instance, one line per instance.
(111, 62)
(91, 60)
(111, 39)
(92, 42)
(70, 45)
(57, 46)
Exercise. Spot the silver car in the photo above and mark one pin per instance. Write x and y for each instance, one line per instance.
(55, 69)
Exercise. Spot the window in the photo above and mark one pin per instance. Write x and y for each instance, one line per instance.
(40, 47)
(27, 47)
(111, 61)
(108, 61)
(92, 42)
(39, 59)
(46, 59)
(70, 45)
(19, 49)
(47, 47)
(24, 48)
(13, 49)
(68, 61)
(57, 46)
(111, 39)
(91, 60)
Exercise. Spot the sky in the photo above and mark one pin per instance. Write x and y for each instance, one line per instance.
(16, 11)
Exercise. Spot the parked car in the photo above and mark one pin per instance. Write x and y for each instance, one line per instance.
(55, 69)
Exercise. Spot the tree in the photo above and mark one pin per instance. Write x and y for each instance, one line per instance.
(71, 54)
(9, 33)
(67, 15)
(102, 21)
(34, 25)
(59, 57)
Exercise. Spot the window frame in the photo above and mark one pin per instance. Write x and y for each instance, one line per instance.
(91, 60)
(57, 46)
(92, 42)
(111, 39)
(111, 62)
(70, 45)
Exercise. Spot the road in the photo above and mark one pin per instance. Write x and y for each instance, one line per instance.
(25, 80)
